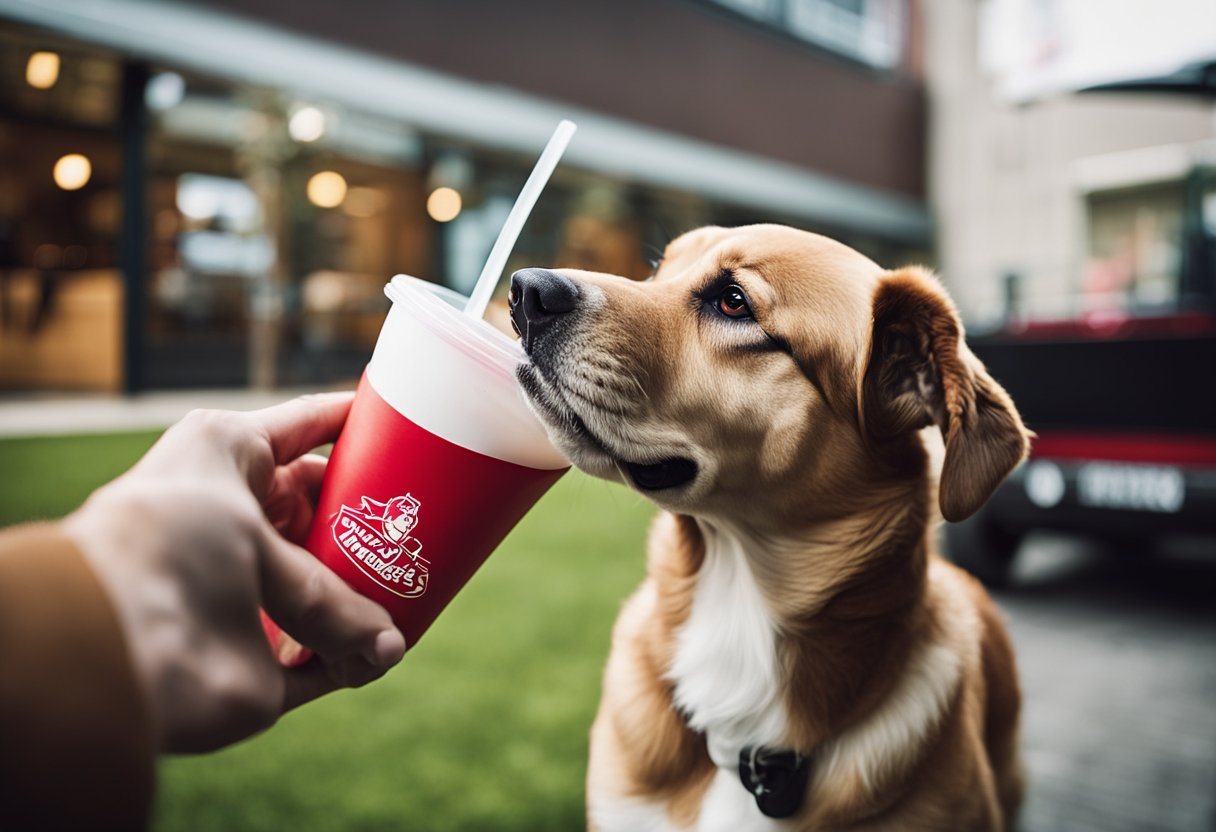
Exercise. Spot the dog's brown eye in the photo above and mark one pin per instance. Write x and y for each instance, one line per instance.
(733, 303)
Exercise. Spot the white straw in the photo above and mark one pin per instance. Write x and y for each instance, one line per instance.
(497, 260)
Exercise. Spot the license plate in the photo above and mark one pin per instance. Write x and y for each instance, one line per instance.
(1138, 487)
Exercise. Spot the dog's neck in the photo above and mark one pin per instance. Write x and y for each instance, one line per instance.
(791, 638)
(725, 667)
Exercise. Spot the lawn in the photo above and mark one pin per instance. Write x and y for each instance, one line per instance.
(482, 726)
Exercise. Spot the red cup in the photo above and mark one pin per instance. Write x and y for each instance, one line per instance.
(438, 460)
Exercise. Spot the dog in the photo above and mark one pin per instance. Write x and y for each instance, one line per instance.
(797, 657)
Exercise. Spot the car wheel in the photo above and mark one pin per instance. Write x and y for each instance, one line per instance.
(983, 548)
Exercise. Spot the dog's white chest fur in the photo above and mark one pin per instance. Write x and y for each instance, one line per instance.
(727, 683)
(727, 679)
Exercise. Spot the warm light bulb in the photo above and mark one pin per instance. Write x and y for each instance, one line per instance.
(42, 70)
(326, 189)
(443, 204)
(72, 171)
(306, 124)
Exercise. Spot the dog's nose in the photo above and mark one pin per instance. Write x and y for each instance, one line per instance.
(539, 297)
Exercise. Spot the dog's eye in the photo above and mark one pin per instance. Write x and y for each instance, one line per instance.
(733, 303)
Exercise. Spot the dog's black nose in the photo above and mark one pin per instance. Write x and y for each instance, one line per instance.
(538, 298)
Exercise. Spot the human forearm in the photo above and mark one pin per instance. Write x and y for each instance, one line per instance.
(76, 744)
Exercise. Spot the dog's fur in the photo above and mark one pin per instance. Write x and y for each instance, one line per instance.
(793, 599)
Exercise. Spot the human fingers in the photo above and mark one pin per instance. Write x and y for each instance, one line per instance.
(319, 610)
(250, 444)
(293, 493)
(297, 426)
(321, 676)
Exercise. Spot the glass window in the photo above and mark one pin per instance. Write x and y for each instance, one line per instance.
(206, 243)
(867, 30)
(275, 225)
(1134, 252)
(870, 31)
(60, 215)
(759, 9)
(272, 223)
(56, 80)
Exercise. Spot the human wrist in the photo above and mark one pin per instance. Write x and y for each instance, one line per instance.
(112, 537)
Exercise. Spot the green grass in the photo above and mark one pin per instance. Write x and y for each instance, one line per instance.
(482, 726)
(49, 476)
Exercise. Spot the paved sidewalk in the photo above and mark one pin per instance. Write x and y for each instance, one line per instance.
(1118, 664)
(35, 415)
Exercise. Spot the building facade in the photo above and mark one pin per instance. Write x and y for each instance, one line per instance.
(214, 193)
(1052, 203)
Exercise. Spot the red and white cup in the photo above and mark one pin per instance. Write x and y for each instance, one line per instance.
(438, 460)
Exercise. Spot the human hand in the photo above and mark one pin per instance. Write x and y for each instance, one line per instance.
(195, 537)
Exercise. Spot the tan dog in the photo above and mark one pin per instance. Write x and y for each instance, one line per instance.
(797, 651)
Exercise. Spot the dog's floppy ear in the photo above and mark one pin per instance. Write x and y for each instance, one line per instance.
(920, 372)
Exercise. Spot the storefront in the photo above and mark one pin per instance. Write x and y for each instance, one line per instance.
(166, 223)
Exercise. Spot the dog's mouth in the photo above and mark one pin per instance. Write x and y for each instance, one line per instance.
(667, 473)
(560, 416)
(671, 472)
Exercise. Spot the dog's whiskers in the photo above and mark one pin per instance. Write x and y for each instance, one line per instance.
(635, 384)
(615, 376)
(615, 384)
(598, 404)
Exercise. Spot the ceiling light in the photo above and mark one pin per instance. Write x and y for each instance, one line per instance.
(72, 171)
(443, 204)
(326, 189)
(42, 70)
(306, 124)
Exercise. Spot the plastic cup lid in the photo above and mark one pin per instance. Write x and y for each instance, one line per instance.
(440, 309)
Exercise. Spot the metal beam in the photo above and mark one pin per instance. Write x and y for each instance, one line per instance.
(133, 238)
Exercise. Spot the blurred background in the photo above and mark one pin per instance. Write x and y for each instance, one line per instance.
(200, 203)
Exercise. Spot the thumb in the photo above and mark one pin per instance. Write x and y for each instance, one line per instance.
(318, 609)
(321, 675)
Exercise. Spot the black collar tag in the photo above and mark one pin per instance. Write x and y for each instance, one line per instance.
(777, 779)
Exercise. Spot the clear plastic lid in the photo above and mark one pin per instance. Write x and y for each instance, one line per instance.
(440, 309)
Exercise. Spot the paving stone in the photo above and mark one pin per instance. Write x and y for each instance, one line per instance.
(1118, 668)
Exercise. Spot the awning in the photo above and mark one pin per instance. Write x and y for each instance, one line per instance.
(1196, 79)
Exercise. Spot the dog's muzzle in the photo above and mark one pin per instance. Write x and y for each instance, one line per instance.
(540, 302)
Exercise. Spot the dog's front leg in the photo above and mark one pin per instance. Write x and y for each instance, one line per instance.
(648, 770)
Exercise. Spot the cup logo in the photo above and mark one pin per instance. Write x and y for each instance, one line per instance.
(377, 538)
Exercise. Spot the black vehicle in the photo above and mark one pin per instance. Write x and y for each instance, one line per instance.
(1125, 414)
(1124, 405)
